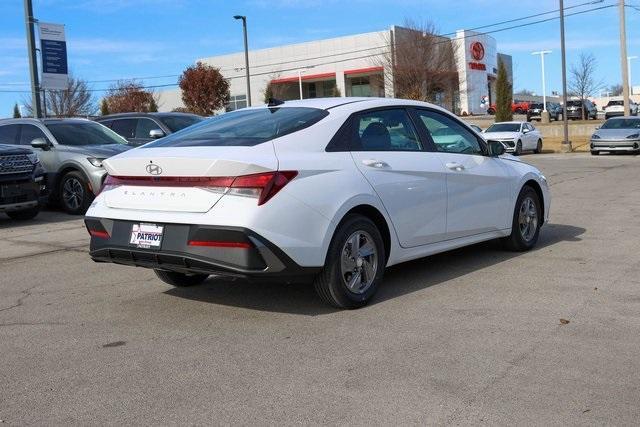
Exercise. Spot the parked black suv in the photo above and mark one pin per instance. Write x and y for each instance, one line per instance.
(535, 111)
(22, 182)
(575, 107)
(140, 128)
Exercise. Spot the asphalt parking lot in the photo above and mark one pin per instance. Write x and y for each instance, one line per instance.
(472, 336)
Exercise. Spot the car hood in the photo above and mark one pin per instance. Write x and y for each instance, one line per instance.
(500, 135)
(12, 149)
(100, 151)
(616, 133)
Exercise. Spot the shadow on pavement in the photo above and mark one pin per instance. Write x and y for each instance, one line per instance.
(46, 216)
(399, 280)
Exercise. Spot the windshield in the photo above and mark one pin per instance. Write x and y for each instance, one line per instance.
(532, 106)
(621, 124)
(504, 127)
(80, 133)
(610, 103)
(176, 123)
(574, 103)
(243, 127)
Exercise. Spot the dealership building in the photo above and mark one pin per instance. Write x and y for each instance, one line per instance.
(356, 65)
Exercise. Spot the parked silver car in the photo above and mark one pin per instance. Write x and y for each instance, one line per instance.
(71, 152)
(617, 134)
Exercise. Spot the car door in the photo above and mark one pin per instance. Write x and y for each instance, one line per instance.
(409, 180)
(477, 185)
(530, 137)
(48, 158)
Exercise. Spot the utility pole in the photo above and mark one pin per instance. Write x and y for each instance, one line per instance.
(629, 58)
(544, 116)
(566, 144)
(623, 58)
(33, 60)
(246, 56)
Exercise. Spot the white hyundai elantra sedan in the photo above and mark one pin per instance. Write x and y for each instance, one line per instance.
(330, 191)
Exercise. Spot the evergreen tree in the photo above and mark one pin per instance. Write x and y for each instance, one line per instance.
(153, 106)
(16, 111)
(504, 95)
(104, 107)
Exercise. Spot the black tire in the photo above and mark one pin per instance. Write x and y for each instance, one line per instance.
(595, 153)
(24, 215)
(538, 149)
(330, 284)
(518, 148)
(180, 280)
(491, 111)
(74, 194)
(516, 241)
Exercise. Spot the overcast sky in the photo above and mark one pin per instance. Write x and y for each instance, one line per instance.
(114, 39)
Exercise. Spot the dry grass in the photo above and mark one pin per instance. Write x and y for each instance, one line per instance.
(552, 144)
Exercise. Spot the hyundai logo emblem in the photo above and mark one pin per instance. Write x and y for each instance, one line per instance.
(154, 169)
(6, 164)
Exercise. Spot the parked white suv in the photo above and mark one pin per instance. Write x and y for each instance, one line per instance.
(615, 107)
(516, 136)
(328, 190)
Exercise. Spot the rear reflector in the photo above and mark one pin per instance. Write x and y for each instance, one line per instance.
(262, 186)
(99, 234)
(217, 244)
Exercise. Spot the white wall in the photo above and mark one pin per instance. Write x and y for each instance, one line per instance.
(473, 83)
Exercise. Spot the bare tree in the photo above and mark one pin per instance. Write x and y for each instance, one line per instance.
(74, 101)
(583, 82)
(422, 64)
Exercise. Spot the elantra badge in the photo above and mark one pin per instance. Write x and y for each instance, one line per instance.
(154, 169)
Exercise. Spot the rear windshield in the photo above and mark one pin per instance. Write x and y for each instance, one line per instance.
(621, 124)
(535, 106)
(245, 127)
(176, 123)
(575, 103)
(504, 127)
(610, 103)
(89, 133)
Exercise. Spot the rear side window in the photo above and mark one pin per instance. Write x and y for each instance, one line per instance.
(385, 130)
(124, 127)
(29, 133)
(9, 134)
(243, 127)
(176, 123)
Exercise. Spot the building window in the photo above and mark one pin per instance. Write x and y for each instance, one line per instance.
(236, 102)
(370, 85)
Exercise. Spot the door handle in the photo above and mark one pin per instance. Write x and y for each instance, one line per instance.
(379, 164)
(455, 166)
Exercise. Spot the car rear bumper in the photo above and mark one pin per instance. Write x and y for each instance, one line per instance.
(608, 114)
(224, 251)
(624, 145)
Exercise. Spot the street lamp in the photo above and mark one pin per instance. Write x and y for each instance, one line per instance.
(300, 71)
(246, 56)
(542, 53)
(629, 58)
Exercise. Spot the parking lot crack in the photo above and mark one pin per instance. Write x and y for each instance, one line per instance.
(26, 293)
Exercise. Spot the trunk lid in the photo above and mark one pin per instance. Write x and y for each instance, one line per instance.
(159, 165)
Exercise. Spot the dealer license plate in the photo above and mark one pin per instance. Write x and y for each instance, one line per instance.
(147, 236)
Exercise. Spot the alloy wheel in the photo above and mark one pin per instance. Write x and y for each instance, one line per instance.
(528, 219)
(73, 193)
(359, 262)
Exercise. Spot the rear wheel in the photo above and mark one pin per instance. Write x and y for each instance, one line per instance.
(538, 149)
(74, 193)
(354, 265)
(180, 279)
(595, 153)
(527, 219)
(25, 214)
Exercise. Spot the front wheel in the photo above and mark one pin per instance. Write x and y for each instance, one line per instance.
(518, 148)
(75, 195)
(180, 279)
(527, 220)
(354, 265)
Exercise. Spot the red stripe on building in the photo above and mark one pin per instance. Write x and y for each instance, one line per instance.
(304, 77)
(364, 70)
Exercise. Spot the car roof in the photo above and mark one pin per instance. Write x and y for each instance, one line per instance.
(157, 114)
(513, 122)
(623, 117)
(350, 104)
(31, 120)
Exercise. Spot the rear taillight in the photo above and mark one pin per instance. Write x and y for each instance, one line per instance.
(262, 186)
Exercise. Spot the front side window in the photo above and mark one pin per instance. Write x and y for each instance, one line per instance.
(9, 134)
(79, 134)
(124, 127)
(176, 123)
(144, 127)
(247, 127)
(29, 133)
(448, 135)
(385, 130)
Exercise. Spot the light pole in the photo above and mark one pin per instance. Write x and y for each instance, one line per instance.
(246, 56)
(300, 71)
(629, 58)
(33, 61)
(623, 57)
(545, 114)
(566, 144)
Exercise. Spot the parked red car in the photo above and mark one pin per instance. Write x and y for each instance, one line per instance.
(517, 107)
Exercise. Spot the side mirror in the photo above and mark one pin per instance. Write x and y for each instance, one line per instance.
(525, 130)
(597, 127)
(496, 148)
(41, 143)
(156, 133)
